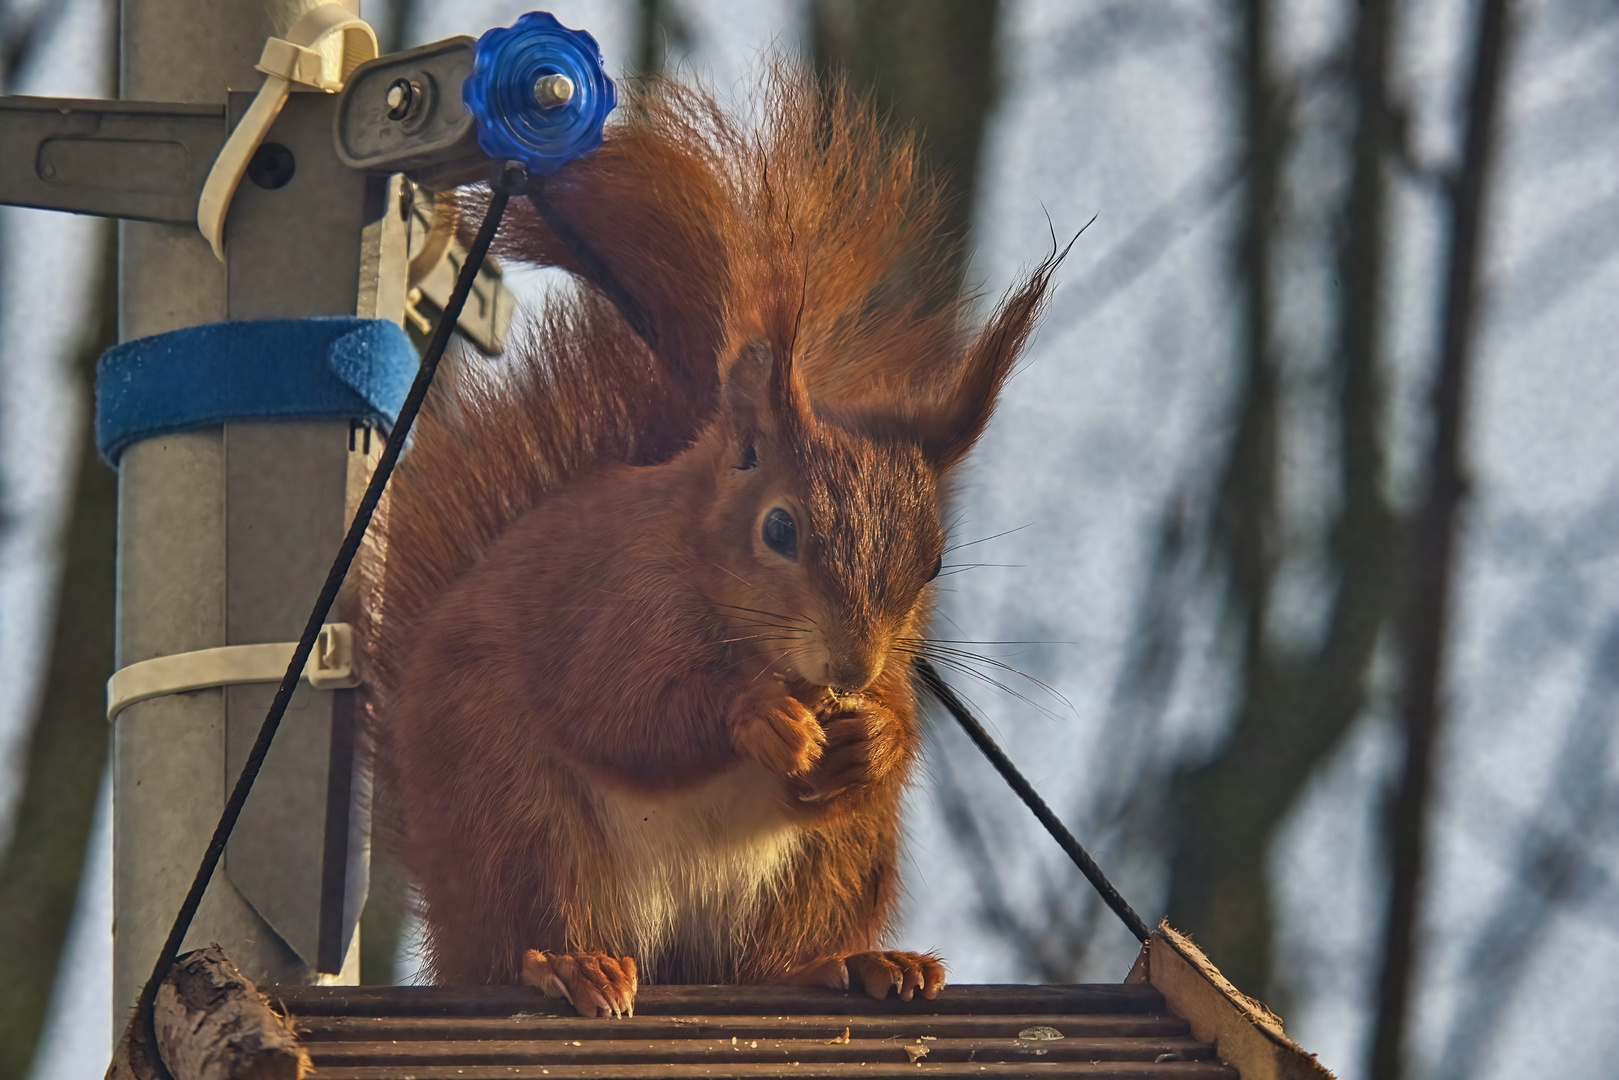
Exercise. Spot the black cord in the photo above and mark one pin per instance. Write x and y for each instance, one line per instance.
(1009, 772)
(317, 617)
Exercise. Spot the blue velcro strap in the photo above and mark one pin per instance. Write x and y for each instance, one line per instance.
(277, 369)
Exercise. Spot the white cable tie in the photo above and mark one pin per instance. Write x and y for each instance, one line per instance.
(331, 666)
(284, 60)
(320, 52)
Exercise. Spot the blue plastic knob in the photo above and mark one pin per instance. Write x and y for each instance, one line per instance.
(513, 124)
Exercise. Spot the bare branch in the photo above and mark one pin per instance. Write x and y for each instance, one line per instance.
(1433, 545)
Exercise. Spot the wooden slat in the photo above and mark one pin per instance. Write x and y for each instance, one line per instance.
(1104, 1070)
(320, 1029)
(719, 1000)
(695, 1051)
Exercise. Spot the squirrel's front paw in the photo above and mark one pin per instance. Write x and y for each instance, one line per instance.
(875, 972)
(862, 745)
(776, 730)
(594, 983)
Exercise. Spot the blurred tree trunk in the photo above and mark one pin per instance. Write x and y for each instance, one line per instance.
(1217, 869)
(659, 29)
(1433, 547)
(67, 751)
(931, 65)
(1295, 703)
(401, 25)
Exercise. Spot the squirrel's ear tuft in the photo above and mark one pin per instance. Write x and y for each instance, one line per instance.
(762, 392)
(952, 427)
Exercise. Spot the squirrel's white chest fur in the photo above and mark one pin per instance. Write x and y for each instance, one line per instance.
(689, 870)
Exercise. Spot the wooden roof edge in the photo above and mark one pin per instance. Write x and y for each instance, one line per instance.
(1245, 1034)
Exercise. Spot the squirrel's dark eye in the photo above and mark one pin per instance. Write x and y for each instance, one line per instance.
(750, 458)
(938, 564)
(781, 533)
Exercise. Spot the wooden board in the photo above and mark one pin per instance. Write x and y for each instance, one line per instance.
(633, 1051)
(528, 1026)
(480, 1033)
(1243, 1032)
(1186, 1070)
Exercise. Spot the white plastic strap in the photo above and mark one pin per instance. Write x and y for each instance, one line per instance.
(320, 51)
(331, 666)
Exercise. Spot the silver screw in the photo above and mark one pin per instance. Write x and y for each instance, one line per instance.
(551, 91)
(510, 177)
(402, 98)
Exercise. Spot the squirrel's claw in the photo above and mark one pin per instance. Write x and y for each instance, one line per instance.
(903, 972)
(874, 972)
(594, 983)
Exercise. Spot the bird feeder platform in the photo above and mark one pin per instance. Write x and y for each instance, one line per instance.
(1174, 1018)
(473, 1033)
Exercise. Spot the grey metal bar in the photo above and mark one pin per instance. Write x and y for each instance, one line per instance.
(126, 159)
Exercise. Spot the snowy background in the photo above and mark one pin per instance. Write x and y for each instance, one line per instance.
(1123, 111)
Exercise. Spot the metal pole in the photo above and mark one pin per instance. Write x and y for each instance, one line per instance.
(225, 533)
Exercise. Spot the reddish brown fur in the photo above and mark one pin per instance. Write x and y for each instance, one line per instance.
(577, 613)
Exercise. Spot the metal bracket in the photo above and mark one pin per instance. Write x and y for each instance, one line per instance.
(435, 263)
(127, 159)
(403, 113)
(148, 161)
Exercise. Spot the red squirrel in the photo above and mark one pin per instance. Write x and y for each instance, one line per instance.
(640, 609)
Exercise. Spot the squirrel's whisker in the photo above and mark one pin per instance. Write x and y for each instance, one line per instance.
(960, 659)
(955, 568)
(772, 659)
(968, 670)
(931, 641)
(985, 539)
(962, 654)
(771, 595)
(767, 614)
(788, 631)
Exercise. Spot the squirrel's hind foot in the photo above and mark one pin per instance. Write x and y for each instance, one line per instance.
(875, 972)
(594, 983)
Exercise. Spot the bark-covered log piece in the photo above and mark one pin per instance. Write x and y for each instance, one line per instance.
(129, 1060)
(213, 1024)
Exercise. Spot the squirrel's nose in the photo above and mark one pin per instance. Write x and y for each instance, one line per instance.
(852, 674)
